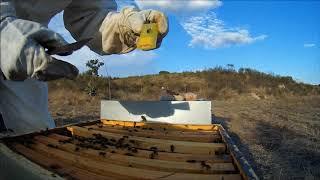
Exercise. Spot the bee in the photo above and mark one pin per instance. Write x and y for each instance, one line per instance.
(126, 146)
(95, 148)
(134, 150)
(76, 149)
(79, 138)
(55, 166)
(151, 156)
(27, 141)
(52, 146)
(136, 130)
(97, 135)
(45, 132)
(62, 141)
(151, 129)
(204, 165)
(172, 148)
(144, 119)
(191, 161)
(120, 142)
(105, 146)
(102, 154)
(153, 148)
(154, 152)
(125, 136)
(164, 129)
(134, 124)
(90, 129)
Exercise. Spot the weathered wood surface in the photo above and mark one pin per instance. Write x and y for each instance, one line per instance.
(170, 135)
(185, 127)
(127, 150)
(108, 169)
(161, 155)
(162, 145)
(146, 163)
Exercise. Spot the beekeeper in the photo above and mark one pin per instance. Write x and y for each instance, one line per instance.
(25, 65)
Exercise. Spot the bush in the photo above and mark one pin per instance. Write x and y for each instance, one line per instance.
(164, 72)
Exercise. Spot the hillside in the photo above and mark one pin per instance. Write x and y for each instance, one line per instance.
(217, 83)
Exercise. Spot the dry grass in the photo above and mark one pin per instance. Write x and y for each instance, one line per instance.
(71, 106)
(217, 83)
(280, 137)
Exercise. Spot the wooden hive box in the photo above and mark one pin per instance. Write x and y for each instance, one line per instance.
(108, 149)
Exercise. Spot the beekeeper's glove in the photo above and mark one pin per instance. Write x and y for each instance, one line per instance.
(128, 24)
(23, 52)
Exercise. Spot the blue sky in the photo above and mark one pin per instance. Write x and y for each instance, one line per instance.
(274, 37)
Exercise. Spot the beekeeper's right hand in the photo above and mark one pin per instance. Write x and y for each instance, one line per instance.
(23, 52)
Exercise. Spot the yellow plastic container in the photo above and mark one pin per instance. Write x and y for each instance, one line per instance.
(148, 37)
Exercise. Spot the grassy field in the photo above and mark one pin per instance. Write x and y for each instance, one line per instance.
(274, 120)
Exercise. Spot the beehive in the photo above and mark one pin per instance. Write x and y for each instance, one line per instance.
(108, 149)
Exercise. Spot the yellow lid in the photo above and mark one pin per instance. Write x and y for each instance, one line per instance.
(148, 37)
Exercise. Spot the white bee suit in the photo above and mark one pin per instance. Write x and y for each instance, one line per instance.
(22, 111)
(25, 65)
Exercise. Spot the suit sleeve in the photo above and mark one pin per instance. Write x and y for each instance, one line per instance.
(100, 20)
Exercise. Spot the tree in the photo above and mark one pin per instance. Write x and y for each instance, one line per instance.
(93, 65)
(230, 67)
(164, 72)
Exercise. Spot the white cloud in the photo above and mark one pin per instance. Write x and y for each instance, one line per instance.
(133, 63)
(179, 6)
(308, 45)
(205, 29)
(210, 32)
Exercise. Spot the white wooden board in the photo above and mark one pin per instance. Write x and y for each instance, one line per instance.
(178, 112)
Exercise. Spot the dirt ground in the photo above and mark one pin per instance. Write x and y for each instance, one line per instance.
(279, 137)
